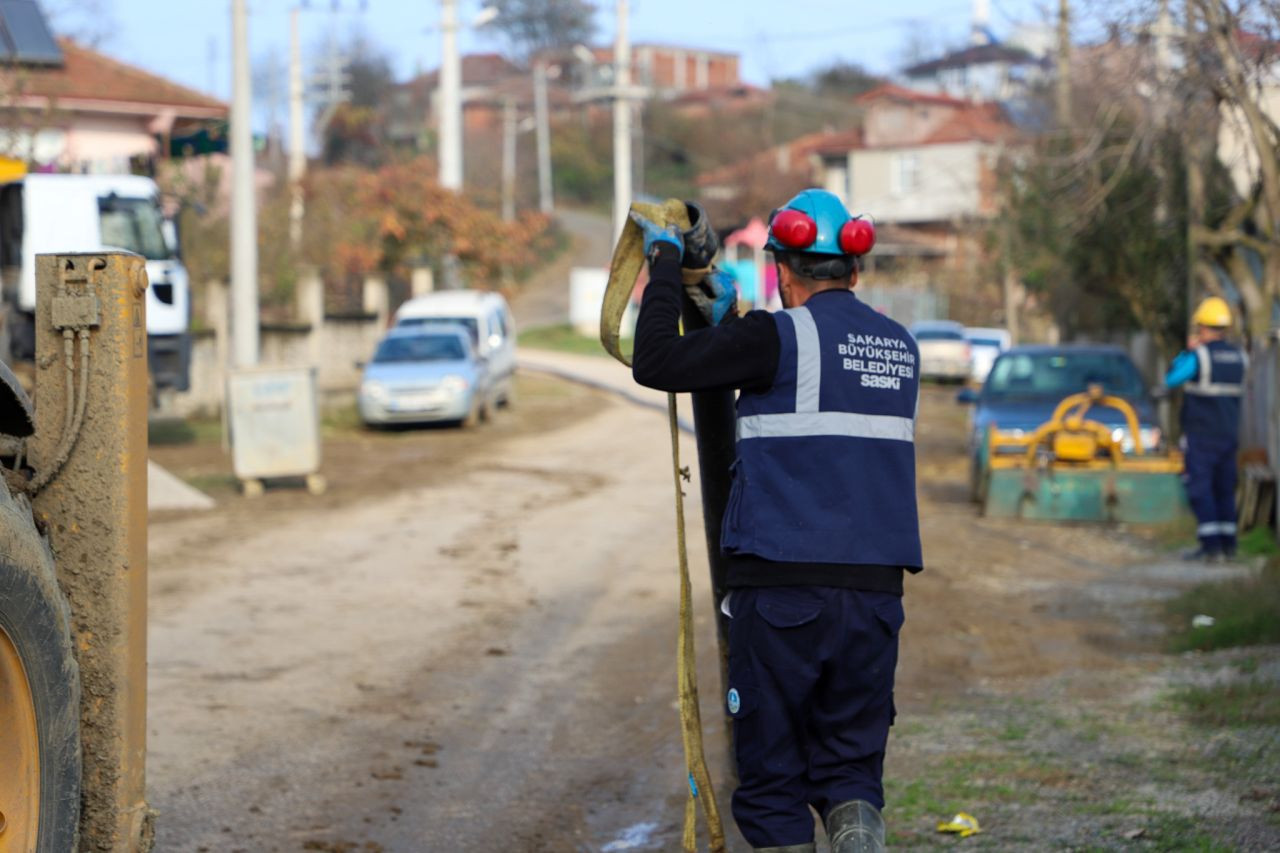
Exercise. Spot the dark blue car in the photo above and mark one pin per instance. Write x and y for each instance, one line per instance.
(1026, 384)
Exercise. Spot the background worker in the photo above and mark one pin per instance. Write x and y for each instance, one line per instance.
(821, 520)
(1211, 371)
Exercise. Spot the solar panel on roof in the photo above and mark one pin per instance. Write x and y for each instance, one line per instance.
(25, 35)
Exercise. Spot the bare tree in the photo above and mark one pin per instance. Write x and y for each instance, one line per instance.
(1233, 57)
(530, 26)
(89, 22)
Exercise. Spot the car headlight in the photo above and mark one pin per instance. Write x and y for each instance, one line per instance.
(1150, 438)
(455, 384)
(374, 390)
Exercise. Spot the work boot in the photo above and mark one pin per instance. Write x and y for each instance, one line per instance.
(855, 826)
(1202, 555)
(790, 848)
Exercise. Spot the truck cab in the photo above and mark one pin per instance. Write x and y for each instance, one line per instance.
(87, 213)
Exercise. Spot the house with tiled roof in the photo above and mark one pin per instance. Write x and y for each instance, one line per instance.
(990, 71)
(486, 78)
(923, 159)
(92, 113)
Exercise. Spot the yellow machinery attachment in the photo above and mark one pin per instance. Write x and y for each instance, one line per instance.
(1072, 468)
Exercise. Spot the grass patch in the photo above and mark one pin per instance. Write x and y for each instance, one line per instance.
(1245, 703)
(1258, 541)
(172, 432)
(965, 782)
(341, 421)
(214, 483)
(1244, 613)
(1170, 832)
(566, 339)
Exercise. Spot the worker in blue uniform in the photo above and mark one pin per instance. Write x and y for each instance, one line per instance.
(1211, 372)
(821, 521)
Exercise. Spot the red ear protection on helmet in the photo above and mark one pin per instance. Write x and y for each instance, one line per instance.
(793, 229)
(857, 236)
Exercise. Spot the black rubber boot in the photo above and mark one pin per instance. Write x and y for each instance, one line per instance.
(855, 826)
(1202, 555)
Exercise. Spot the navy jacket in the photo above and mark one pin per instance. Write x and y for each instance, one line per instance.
(742, 354)
(1211, 405)
(826, 455)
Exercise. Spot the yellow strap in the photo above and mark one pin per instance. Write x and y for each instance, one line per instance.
(624, 269)
(628, 258)
(687, 672)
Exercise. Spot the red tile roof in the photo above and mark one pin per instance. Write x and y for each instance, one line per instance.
(975, 123)
(893, 92)
(89, 78)
(793, 153)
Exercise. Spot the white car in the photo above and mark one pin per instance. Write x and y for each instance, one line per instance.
(944, 352)
(985, 345)
(486, 316)
(425, 373)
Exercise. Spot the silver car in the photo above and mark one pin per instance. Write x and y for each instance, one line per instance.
(423, 374)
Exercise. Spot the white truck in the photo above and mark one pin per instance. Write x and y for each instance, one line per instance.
(42, 213)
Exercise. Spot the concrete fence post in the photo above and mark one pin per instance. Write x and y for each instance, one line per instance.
(421, 281)
(377, 299)
(217, 313)
(309, 304)
(309, 299)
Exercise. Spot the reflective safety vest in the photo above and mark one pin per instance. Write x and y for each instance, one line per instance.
(825, 469)
(1211, 405)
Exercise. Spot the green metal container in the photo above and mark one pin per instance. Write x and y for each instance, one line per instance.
(1063, 494)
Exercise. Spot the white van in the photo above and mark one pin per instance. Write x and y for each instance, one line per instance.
(488, 318)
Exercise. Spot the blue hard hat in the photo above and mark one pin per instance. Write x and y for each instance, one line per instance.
(816, 222)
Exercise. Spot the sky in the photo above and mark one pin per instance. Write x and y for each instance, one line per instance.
(189, 40)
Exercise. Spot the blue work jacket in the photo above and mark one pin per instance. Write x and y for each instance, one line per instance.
(1211, 405)
(825, 467)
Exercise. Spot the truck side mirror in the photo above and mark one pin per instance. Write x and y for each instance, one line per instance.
(966, 396)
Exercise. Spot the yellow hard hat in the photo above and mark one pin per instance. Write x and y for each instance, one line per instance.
(1213, 312)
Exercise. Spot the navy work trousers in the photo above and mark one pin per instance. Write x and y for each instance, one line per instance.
(811, 695)
(1211, 490)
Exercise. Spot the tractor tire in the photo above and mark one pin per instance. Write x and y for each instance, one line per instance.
(39, 697)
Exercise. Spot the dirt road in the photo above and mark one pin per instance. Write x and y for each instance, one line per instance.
(468, 645)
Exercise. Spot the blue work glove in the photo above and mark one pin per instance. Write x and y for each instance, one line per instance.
(716, 296)
(655, 233)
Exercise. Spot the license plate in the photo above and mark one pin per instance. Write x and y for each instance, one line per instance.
(415, 402)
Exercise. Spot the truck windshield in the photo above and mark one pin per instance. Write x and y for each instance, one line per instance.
(133, 224)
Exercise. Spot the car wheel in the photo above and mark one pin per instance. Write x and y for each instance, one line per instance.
(473, 417)
(978, 472)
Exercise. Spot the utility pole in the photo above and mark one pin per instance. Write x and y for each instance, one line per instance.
(244, 224)
(508, 159)
(297, 134)
(1062, 87)
(546, 202)
(622, 121)
(449, 100)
